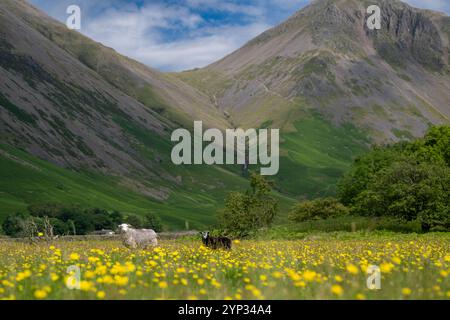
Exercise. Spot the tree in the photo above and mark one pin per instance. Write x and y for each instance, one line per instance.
(81, 221)
(153, 221)
(410, 191)
(101, 219)
(409, 180)
(13, 224)
(60, 227)
(117, 218)
(135, 221)
(22, 225)
(251, 210)
(434, 147)
(363, 171)
(317, 209)
(51, 210)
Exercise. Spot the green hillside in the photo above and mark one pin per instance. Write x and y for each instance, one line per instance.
(26, 180)
(316, 155)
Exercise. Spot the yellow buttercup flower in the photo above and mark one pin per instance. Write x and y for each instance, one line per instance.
(386, 267)
(396, 260)
(40, 294)
(277, 275)
(406, 291)
(86, 285)
(360, 296)
(337, 290)
(120, 280)
(309, 275)
(54, 276)
(351, 268)
(23, 275)
(74, 256)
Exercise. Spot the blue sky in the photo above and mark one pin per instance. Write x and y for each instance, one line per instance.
(177, 35)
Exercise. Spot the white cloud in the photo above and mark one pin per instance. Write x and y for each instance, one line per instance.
(199, 51)
(132, 28)
(136, 33)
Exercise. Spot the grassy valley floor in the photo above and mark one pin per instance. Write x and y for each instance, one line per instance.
(326, 267)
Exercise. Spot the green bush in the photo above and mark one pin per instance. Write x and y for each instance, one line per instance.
(317, 209)
(247, 212)
(364, 170)
(65, 219)
(13, 224)
(22, 225)
(350, 224)
(407, 181)
(135, 221)
(153, 221)
(409, 191)
(434, 147)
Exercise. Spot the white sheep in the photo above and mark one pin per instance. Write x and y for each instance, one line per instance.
(138, 238)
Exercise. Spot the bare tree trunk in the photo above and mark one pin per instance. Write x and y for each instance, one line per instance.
(30, 228)
(48, 229)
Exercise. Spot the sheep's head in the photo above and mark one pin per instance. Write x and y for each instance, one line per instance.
(124, 227)
(205, 234)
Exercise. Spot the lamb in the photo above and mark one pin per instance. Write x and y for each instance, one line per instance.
(215, 242)
(138, 238)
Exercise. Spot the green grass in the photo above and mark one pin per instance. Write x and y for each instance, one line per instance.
(348, 226)
(318, 154)
(26, 180)
(209, 82)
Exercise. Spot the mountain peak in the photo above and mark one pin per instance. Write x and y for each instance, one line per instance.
(325, 58)
(340, 25)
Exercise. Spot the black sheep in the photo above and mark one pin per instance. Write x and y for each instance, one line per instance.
(215, 242)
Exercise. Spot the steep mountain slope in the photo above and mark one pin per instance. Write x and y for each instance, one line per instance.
(334, 87)
(158, 91)
(80, 77)
(391, 82)
(100, 116)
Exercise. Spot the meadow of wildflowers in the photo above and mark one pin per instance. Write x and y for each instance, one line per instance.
(412, 267)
